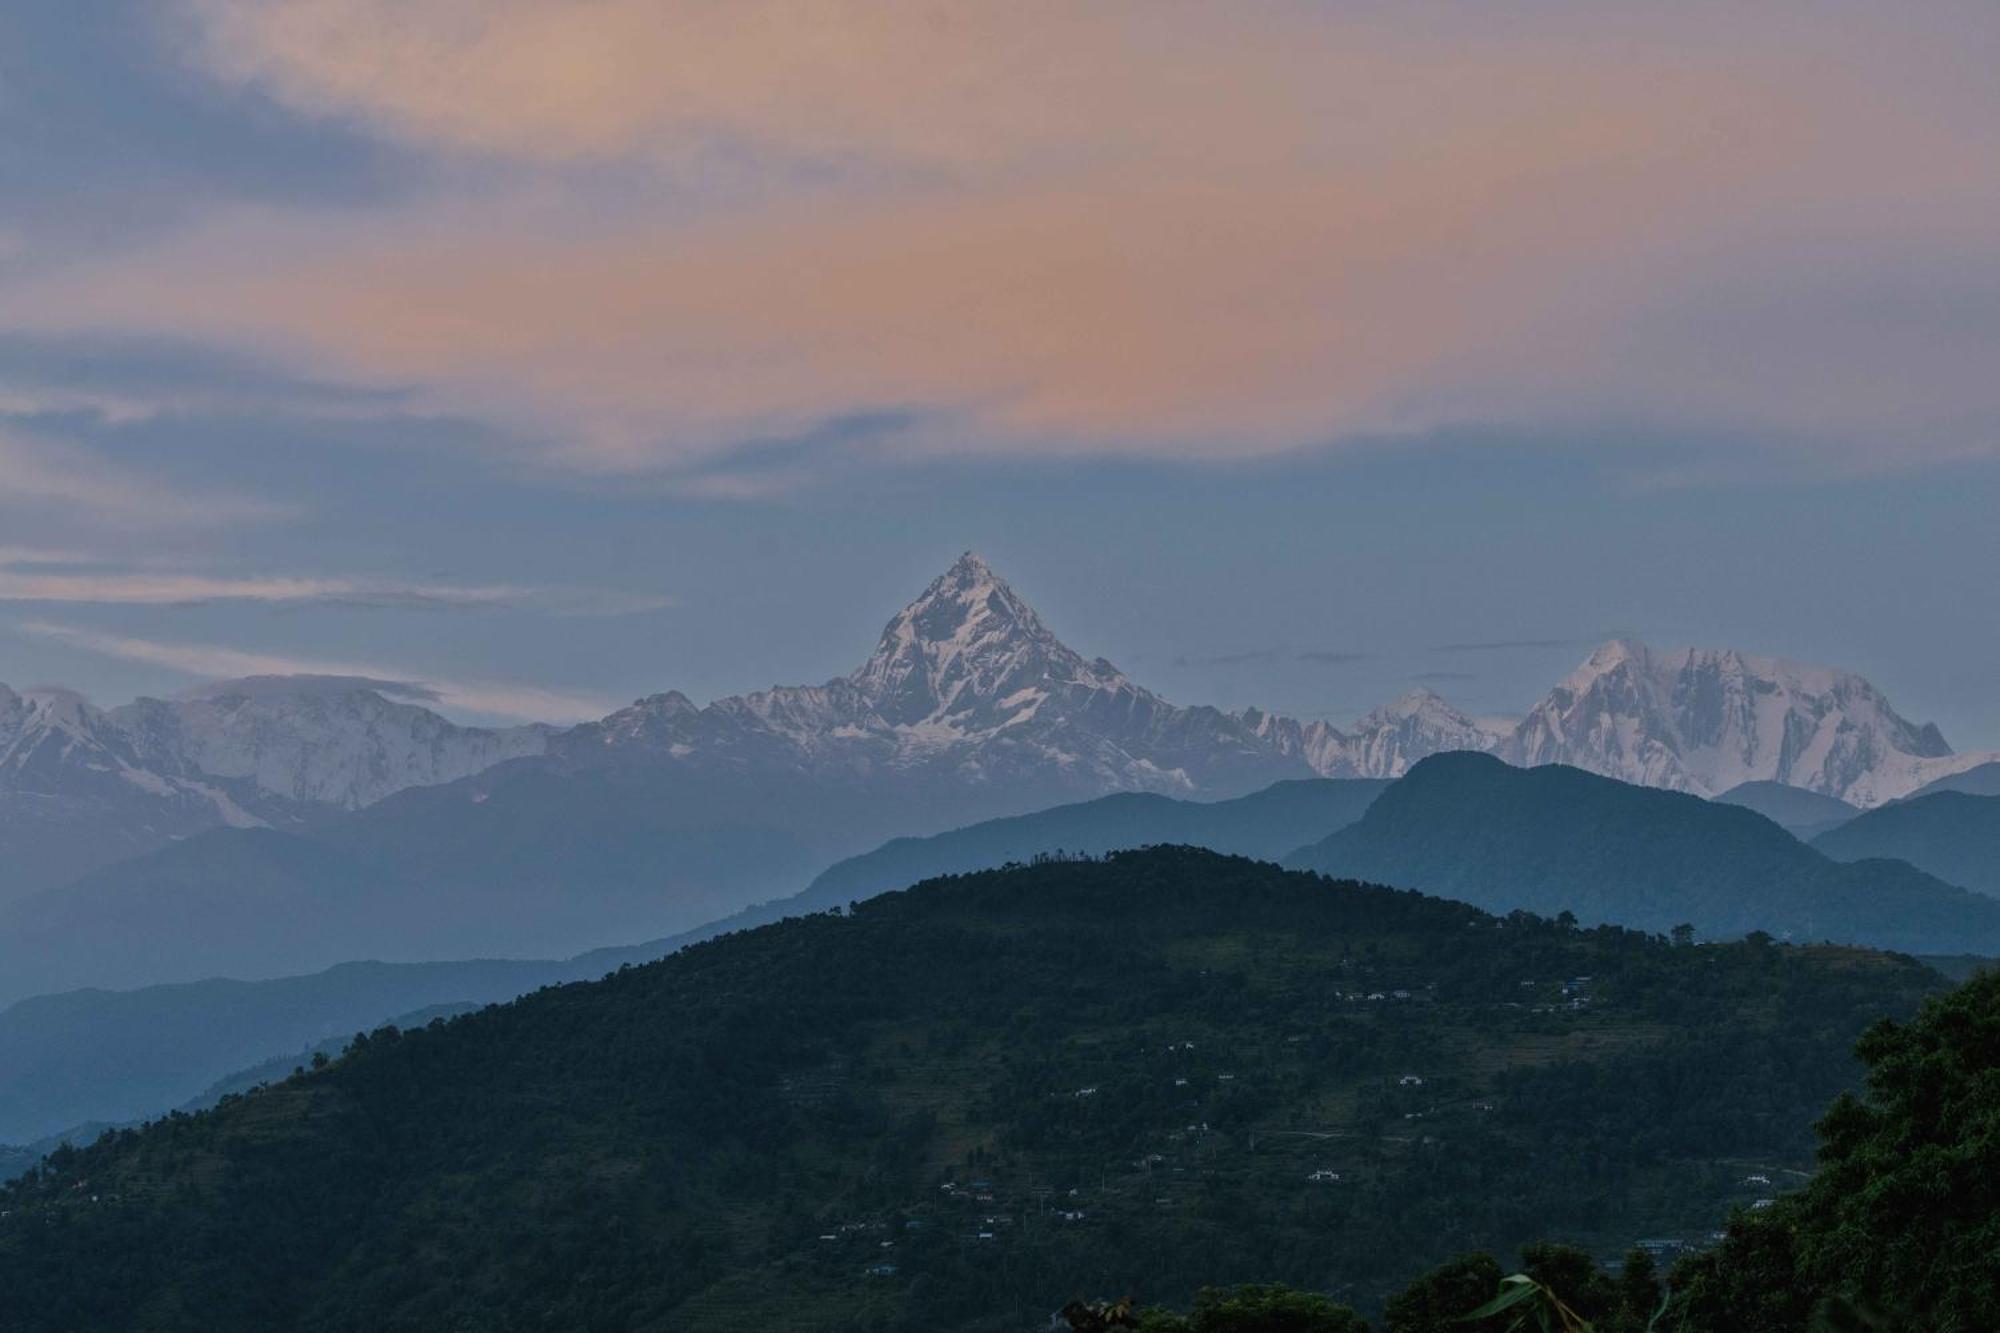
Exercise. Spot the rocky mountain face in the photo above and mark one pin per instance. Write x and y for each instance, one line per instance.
(1706, 721)
(83, 787)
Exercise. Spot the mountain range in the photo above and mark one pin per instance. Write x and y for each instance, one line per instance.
(1706, 721)
(1627, 853)
(275, 826)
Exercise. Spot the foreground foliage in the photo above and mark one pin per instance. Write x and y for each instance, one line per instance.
(962, 1106)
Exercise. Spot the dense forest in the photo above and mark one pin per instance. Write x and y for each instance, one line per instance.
(1899, 1232)
(963, 1105)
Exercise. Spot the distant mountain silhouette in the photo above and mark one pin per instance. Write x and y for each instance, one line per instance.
(1264, 825)
(1557, 839)
(1804, 814)
(115, 1056)
(1950, 834)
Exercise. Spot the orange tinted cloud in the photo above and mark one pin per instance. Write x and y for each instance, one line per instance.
(1181, 229)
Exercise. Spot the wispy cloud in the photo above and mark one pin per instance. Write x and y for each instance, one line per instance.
(35, 575)
(143, 589)
(1333, 658)
(13, 557)
(47, 476)
(212, 661)
(1230, 659)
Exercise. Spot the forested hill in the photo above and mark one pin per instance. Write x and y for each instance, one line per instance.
(1555, 839)
(960, 1105)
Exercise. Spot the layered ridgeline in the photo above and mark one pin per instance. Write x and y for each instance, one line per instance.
(664, 815)
(1951, 834)
(1264, 825)
(100, 1056)
(114, 1056)
(411, 842)
(959, 1106)
(1557, 839)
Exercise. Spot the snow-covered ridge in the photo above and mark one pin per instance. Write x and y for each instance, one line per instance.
(337, 743)
(1705, 720)
(966, 686)
(970, 676)
(333, 743)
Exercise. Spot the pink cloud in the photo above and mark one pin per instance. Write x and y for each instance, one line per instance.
(1178, 230)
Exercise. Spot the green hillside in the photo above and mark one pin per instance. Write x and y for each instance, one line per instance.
(959, 1106)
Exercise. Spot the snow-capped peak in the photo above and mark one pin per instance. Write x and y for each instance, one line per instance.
(46, 729)
(1419, 702)
(1609, 656)
(968, 641)
(1419, 724)
(1705, 720)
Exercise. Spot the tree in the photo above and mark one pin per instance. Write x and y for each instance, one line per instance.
(1901, 1225)
(1905, 1211)
(1747, 1284)
(1437, 1301)
(1638, 1293)
(1574, 1276)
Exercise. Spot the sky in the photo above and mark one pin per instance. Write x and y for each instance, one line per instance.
(1289, 354)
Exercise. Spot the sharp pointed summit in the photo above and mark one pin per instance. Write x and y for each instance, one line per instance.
(967, 644)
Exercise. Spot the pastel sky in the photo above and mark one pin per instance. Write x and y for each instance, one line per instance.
(1286, 353)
